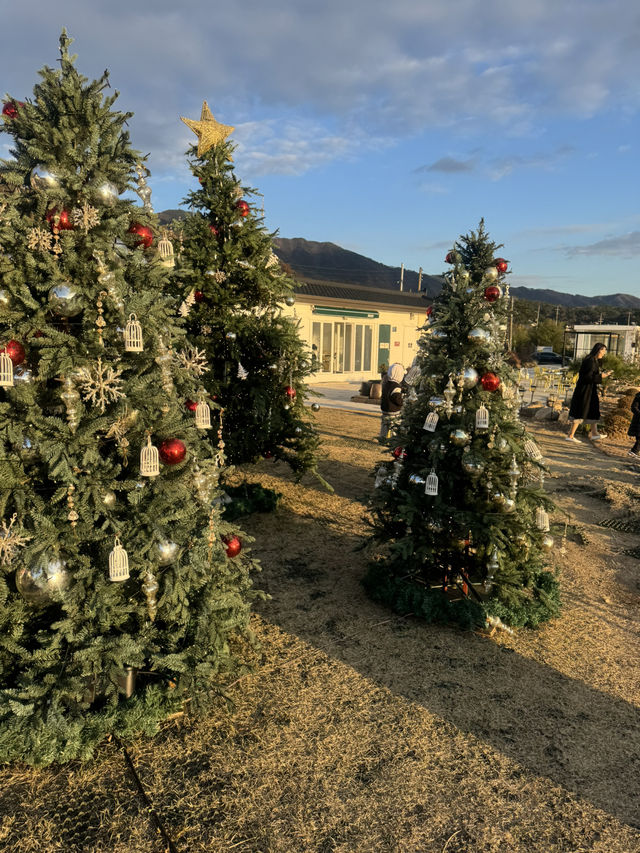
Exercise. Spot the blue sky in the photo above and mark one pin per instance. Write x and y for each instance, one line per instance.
(388, 128)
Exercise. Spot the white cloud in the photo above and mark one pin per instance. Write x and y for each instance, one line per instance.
(625, 246)
(391, 69)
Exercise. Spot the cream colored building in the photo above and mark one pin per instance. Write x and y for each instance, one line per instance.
(354, 331)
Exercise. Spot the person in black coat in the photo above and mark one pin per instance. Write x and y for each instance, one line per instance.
(585, 405)
(390, 400)
(634, 426)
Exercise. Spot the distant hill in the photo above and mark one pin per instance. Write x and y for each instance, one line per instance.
(327, 262)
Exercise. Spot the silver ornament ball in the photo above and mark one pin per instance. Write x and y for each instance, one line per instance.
(5, 299)
(107, 194)
(469, 378)
(289, 299)
(472, 465)
(167, 552)
(417, 480)
(46, 578)
(231, 336)
(42, 178)
(478, 336)
(491, 273)
(64, 300)
(22, 374)
(315, 407)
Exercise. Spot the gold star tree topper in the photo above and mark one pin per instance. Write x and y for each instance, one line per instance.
(209, 131)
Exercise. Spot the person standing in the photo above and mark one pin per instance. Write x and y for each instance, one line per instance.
(390, 399)
(634, 426)
(585, 405)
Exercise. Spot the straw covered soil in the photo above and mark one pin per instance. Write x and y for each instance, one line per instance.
(360, 731)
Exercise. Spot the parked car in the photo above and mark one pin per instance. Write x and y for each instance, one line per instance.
(546, 357)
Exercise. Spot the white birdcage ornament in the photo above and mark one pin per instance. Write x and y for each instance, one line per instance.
(431, 422)
(133, 335)
(482, 417)
(165, 250)
(118, 562)
(542, 519)
(203, 415)
(6, 371)
(431, 485)
(532, 450)
(149, 460)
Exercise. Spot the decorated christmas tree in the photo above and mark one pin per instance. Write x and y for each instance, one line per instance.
(459, 512)
(234, 289)
(121, 590)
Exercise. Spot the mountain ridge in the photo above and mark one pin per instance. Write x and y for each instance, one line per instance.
(323, 261)
(329, 262)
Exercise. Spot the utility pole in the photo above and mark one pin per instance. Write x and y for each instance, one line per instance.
(557, 309)
(401, 275)
(538, 315)
(420, 280)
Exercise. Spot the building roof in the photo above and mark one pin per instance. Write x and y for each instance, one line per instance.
(358, 293)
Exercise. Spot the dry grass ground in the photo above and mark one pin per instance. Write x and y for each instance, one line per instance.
(364, 732)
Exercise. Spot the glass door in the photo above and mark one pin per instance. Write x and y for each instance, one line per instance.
(338, 347)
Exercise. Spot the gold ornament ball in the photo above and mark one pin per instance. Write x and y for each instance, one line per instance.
(40, 583)
(491, 273)
(459, 437)
(546, 543)
(498, 499)
(109, 499)
(509, 504)
(5, 299)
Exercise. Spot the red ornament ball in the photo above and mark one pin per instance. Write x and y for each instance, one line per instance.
(10, 108)
(501, 265)
(492, 293)
(60, 220)
(242, 208)
(290, 392)
(213, 230)
(143, 233)
(399, 453)
(198, 295)
(190, 405)
(429, 311)
(15, 351)
(232, 545)
(172, 451)
(451, 258)
(490, 382)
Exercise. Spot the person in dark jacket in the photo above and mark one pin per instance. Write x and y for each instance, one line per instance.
(585, 405)
(390, 399)
(634, 426)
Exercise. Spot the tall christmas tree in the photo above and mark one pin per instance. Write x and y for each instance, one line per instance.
(234, 290)
(120, 587)
(461, 513)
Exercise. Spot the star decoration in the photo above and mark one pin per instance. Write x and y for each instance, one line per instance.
(209, 131)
